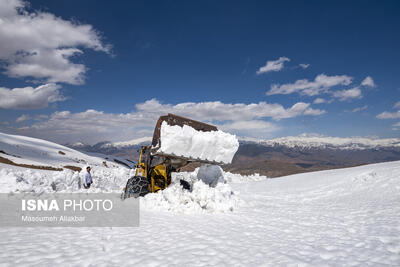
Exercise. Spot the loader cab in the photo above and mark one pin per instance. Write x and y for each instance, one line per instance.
(154, 169)
(144, 160)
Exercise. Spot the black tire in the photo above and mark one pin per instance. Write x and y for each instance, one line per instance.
(137, 186)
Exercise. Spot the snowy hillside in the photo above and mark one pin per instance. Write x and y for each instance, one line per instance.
(37, 153)
(317, 141)
(340, 217)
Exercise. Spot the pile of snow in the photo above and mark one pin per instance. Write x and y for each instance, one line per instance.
(201, 199)
(106, 180)
(320, 141)
(211, 192)
(185, 141)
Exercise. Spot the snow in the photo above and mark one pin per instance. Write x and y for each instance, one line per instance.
(201, 199)
(185, 141)
(320, 141)
(78, 144)
(341, 217)
(237, 178)
(17, 179)
(33, 151)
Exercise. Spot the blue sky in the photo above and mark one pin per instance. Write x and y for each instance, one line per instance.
(97, 63)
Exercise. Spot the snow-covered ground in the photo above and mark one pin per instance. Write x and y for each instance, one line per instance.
(340, 217)
(38, 152)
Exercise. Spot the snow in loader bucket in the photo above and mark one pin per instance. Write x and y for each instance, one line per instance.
(215, 147)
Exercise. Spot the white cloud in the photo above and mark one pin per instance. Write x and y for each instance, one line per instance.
(41, 45)
(273, 65)
(94, 126)
(344, 95)
(389, 115)
(360, 108)
(397, 105)
(304, 66)
(29, 97)
(251, 128)
(314, 112)
(248, 125)
(321, 84)
(52, 65)
(23, 117)
(368, 81)
(396, 124)
(221, 111)
(319, 101)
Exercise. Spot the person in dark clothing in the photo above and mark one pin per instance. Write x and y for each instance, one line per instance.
(88, 178)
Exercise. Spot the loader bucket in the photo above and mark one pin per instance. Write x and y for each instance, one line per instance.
(173, 119)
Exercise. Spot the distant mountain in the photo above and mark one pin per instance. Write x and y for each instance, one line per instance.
(135, 142)
(281, 156)
(318, 141)
(127, 149)
(279, 160)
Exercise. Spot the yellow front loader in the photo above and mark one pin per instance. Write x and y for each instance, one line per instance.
(153, 171)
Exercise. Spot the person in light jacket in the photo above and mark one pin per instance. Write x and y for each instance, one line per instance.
(87, 181)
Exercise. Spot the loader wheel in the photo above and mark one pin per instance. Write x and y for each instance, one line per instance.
(137, 186)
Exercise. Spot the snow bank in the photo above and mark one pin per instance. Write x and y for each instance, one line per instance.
(187, 142)
(211, 192)
(237, 178)
(27, 180)
(202, 199)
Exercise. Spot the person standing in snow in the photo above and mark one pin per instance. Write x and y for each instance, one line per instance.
(88, 178)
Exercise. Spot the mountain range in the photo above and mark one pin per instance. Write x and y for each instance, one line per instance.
(280, 156)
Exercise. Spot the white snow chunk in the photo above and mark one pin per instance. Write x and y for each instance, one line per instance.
(202, 199)
(210, 174)
(185, 141)
(238, 178)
